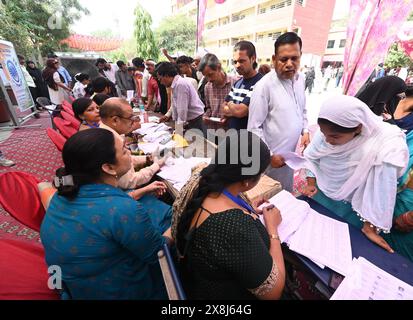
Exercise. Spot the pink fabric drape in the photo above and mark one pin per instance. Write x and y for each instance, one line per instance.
(201, 17)
(372, 28)
(406, 39)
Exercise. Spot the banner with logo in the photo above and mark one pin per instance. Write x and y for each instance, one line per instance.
(14, 75)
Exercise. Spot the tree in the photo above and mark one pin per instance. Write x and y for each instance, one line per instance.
(38, 26)
(177, 33)
(125, 53)
(144, 37)
(396, 57)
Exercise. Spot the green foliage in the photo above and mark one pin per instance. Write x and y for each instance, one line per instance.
(125, 53)
(177, 33)
(30, 26)
(146, 47)
(396, 57)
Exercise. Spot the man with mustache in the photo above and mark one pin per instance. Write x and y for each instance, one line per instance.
(278, 112)
(235, 107)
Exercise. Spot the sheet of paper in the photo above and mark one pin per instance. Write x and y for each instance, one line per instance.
(129, 95)
(293, 213)
(156, 136)
(214, 119)
(153, 119)
(151, 147)
(369, 282)
(324, 240)
(178, 171)
(293, 160)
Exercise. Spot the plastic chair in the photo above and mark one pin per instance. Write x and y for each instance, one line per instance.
(170, 276)
(73, 121)
(23, 272)
(64, 127)
(58, 140)
(68, 107)
(20, 197)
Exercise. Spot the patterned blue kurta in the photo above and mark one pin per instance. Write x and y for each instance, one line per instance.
(106, 244)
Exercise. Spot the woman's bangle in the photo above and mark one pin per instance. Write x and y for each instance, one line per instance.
(274, 236)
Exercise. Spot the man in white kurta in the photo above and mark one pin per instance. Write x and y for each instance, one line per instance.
(278, 113)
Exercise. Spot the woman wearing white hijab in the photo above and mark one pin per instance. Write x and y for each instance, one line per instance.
(356, 158)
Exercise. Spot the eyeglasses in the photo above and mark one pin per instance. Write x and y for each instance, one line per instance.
(132, 118)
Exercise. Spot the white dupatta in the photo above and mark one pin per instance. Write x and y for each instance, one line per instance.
(352, 171)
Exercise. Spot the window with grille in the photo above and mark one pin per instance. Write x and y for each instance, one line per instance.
(342, 43)
(263, 10)
(273, 7)
(300, 3)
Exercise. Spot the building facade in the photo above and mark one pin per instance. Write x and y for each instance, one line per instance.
(262, 22)
(336, 43)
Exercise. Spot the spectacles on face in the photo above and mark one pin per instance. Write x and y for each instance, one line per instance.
(132, 118)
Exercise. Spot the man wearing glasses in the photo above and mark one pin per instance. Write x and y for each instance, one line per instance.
(117, 116)
(187, 108)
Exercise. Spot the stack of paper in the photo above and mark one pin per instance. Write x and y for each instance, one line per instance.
(151, 127)
(293, 213)
(324, 240)
(156, 136)
(178, 171)
(368, 282)
(152, 147)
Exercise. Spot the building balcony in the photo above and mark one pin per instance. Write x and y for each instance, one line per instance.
(273, 20)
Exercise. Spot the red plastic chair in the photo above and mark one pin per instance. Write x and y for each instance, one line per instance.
(64, 127)
(73, 121)
(20, 197)
(68, 107)
(23, 272)
(58, 140)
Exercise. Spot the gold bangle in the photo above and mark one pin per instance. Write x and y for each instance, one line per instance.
(274, 236)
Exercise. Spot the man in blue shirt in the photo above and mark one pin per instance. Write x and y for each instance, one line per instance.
(63, 71)
(235, 107)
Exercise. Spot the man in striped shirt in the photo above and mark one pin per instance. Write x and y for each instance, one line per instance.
(235, 107)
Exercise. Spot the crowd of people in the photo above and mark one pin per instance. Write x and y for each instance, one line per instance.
(105, 226)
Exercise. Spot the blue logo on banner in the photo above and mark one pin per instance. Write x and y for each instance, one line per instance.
(13, 72)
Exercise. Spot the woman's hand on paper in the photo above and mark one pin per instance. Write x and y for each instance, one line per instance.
(370, 232)
(272, 217)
